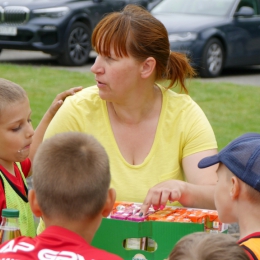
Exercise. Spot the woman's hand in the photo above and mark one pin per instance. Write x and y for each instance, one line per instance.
(197, 192)
(160, 194)
(59, 99)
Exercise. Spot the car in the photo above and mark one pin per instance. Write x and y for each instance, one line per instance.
(152, 4)
(214, 34)
(61, 28)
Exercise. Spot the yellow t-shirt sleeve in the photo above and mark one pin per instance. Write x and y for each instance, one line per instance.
(198, 134)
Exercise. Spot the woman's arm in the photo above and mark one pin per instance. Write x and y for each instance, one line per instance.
(196, 192)
(46, 119)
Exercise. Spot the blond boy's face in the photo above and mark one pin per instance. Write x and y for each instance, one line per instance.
(223, 200)
(16, 132)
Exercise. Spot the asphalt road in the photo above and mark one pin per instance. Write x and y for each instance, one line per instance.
(241, 76)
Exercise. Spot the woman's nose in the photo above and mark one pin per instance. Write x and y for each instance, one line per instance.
(96, 67)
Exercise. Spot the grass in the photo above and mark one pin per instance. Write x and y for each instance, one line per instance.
(231, 109)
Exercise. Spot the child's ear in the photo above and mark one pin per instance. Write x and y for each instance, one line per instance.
(34, 204)
(235, 188)
(148, 67)
(111, 197)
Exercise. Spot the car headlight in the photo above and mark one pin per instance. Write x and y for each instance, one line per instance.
(182, 37)
(54, 12)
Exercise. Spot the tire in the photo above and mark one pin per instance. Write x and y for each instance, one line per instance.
(212, 59)
(77, 46)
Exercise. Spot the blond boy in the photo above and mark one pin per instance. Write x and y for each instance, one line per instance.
(18, 143)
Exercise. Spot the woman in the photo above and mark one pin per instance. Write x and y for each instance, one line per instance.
(154, 137)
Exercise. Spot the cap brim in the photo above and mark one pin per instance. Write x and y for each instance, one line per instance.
(208, 161)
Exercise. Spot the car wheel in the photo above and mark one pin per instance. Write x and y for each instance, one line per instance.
(77, 46)
(212, 59)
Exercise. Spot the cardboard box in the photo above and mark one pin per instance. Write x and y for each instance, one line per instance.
(113, 232)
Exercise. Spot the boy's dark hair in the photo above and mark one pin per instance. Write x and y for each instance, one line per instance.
(71, 176)
(207, 246)
(10, 92)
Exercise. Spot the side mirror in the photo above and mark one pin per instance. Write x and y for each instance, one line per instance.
(245, 11)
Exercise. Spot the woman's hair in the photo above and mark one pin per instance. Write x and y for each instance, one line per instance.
(10, 93)
(134, 31)
(208, 246)
(71, 176)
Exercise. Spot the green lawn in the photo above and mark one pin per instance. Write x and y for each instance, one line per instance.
(232, 110)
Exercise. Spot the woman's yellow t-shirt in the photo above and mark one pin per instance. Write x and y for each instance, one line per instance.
(183, 129)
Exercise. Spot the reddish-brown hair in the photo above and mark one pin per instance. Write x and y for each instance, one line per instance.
(134, 31)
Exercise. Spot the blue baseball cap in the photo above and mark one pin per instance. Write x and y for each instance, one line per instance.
(241, 157)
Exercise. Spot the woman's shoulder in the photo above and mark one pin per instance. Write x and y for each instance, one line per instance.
(178, 99)
(86, 95)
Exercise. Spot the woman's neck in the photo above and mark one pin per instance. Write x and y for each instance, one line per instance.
(135, 111)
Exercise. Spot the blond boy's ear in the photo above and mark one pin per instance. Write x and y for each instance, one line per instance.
(34, 204)
(111, 197)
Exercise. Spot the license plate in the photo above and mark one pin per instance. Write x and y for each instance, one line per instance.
(8, 30)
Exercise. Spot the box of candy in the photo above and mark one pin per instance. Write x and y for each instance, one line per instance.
(151, 237)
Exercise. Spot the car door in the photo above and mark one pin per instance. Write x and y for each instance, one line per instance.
(249, 27)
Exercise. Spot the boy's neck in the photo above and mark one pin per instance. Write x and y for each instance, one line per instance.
(9, 166)
(84, 228)
(248, 219)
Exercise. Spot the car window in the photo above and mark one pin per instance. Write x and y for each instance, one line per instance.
(201, 7)
(249, 3)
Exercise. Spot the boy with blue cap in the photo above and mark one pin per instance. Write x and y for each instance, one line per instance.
(237, 193)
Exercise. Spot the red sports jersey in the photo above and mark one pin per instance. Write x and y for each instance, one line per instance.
(53, 243)
(16, 180)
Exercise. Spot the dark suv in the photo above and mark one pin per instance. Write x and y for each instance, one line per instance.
(59, 27)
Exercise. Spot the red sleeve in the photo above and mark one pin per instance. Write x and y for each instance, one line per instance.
(26, 167)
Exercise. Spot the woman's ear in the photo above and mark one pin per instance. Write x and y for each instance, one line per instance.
(34, 204)
(148, 67)
(111, 198)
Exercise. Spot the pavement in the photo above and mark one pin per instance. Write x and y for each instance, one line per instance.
(241, 76)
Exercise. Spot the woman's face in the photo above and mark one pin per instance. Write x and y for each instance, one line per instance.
(117, 78)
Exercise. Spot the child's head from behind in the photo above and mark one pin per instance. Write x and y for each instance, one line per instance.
(71, 176)
(238, 174)
(207, 246)
(16, 130)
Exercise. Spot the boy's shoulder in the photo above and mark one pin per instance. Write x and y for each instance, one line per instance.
(49, 247)
(251, 244)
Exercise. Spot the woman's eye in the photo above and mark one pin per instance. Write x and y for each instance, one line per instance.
(29, 120)
(109, 58)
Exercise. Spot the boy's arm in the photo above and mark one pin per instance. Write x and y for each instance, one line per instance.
(46, 119)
